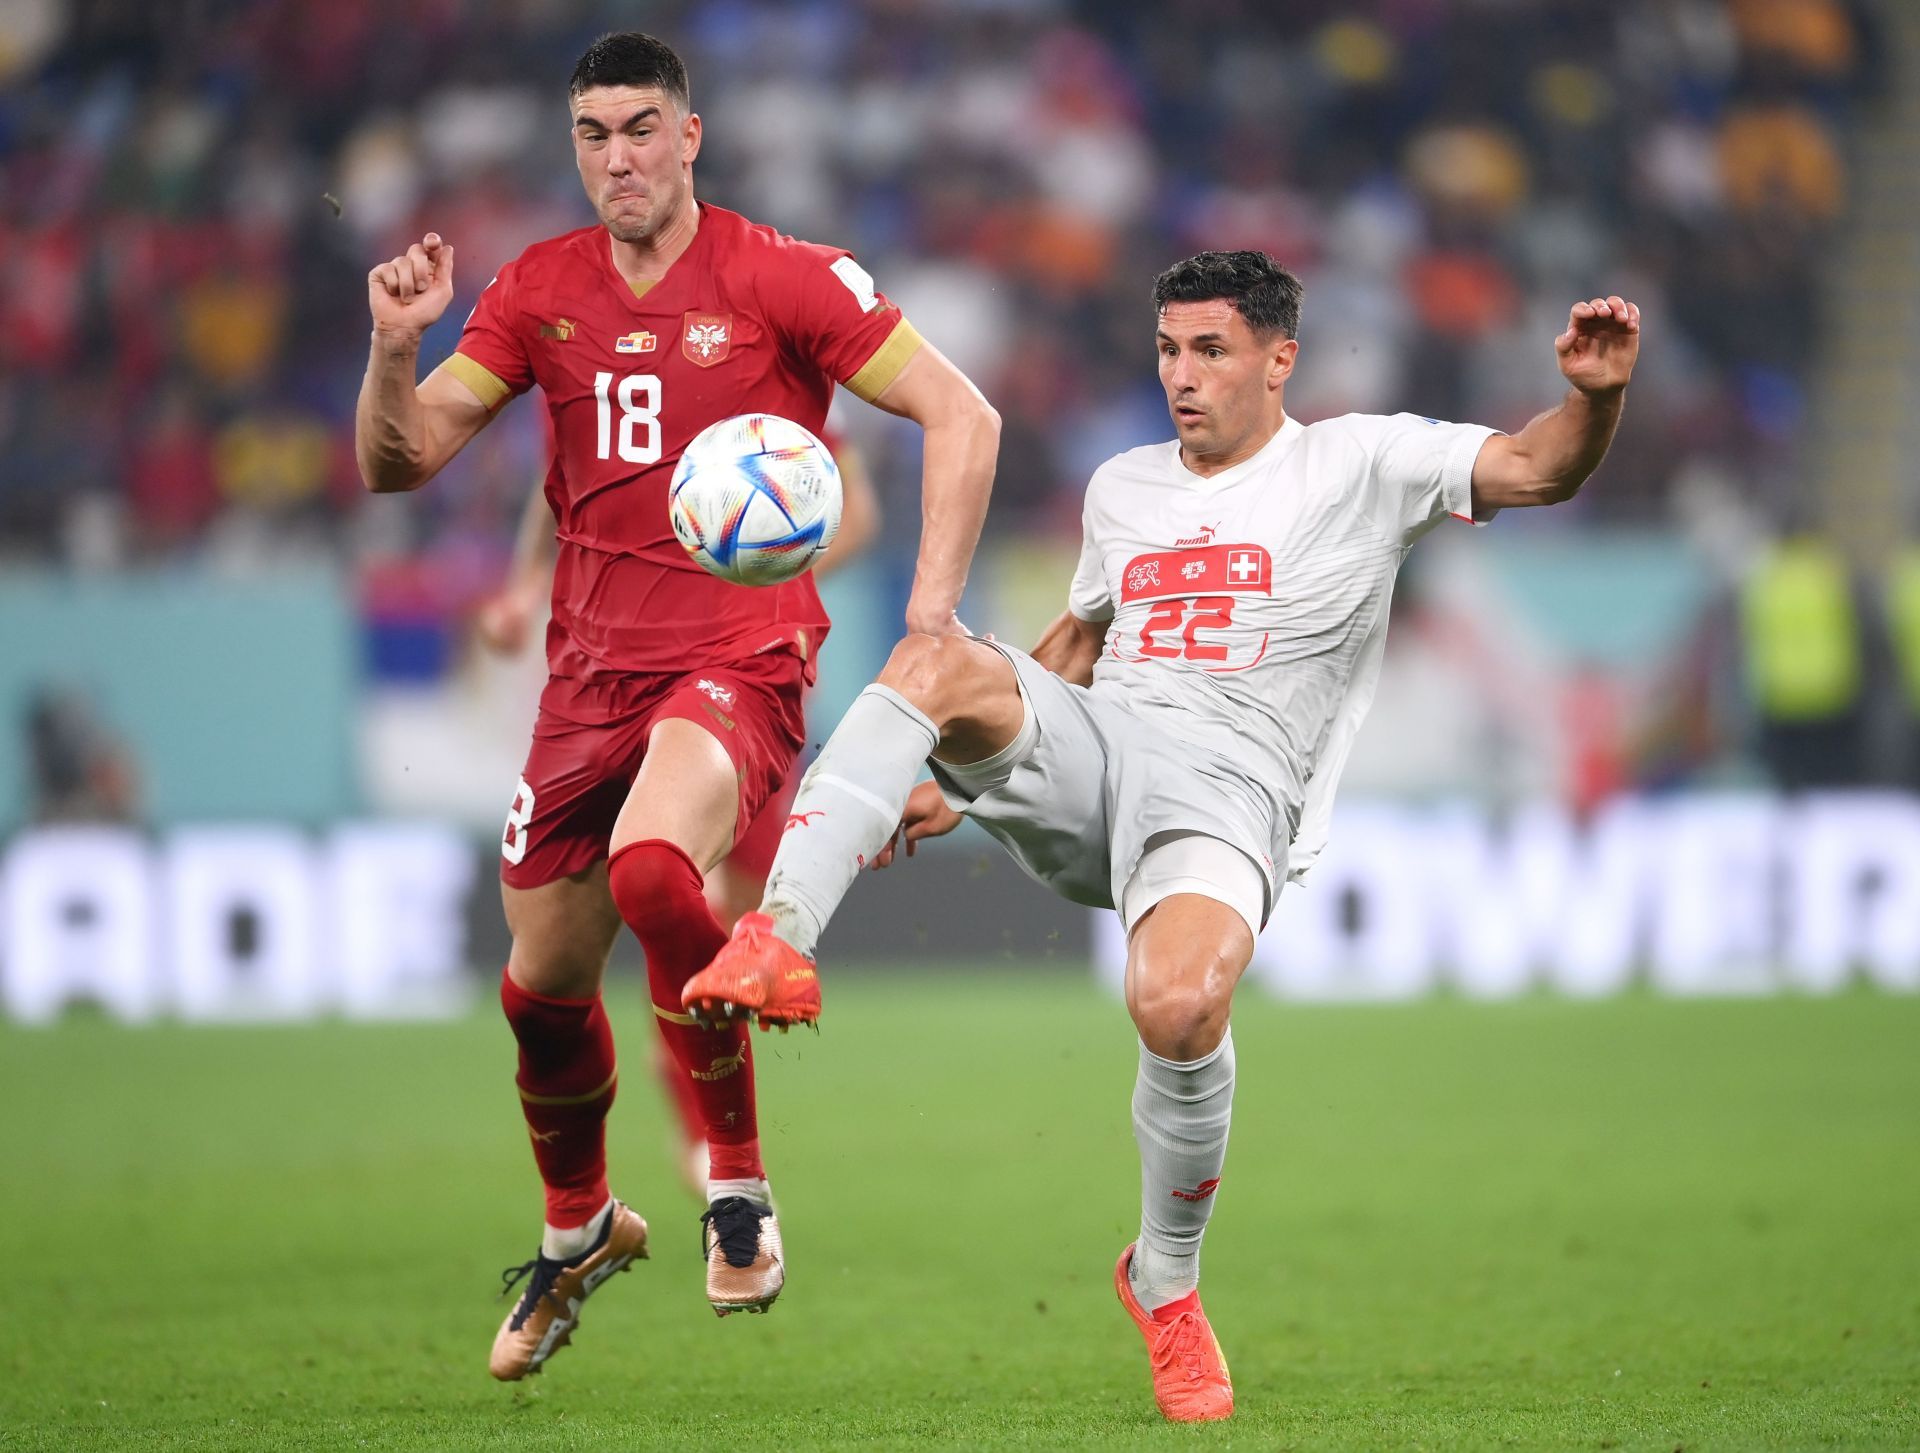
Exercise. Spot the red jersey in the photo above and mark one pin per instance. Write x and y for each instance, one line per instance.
(745, 321)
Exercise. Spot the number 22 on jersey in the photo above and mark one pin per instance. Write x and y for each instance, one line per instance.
(1209, 612)
(637, 435)
(1164, 581)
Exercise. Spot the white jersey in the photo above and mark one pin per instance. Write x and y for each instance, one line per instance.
(1247, 610)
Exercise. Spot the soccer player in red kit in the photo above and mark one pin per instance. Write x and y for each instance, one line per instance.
(672, 709)
(504, 625)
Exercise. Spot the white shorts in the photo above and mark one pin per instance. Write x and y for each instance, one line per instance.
(1191, 862)
(1110, 811)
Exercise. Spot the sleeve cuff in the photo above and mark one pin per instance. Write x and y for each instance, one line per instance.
(1456, 475)
(487, 386)
(887, 361)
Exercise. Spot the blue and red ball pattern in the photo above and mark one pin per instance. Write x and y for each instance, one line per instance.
(755, 499)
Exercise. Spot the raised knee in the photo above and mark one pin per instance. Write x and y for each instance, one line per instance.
(922, 667)
(652, 882)
(1178, 1021)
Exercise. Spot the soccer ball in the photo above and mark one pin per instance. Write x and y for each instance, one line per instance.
(755, 499)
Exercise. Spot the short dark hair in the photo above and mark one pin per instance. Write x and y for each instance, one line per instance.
(1264, 292)
(632, 58)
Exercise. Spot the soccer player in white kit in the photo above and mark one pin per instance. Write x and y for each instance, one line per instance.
(1172, 745)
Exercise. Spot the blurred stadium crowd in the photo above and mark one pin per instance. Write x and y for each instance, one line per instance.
(194, 190)
(183, 331)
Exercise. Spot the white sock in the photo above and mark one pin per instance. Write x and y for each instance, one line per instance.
(569, 1243)
(1180, 1117)
(847, 808)
(755, 1190)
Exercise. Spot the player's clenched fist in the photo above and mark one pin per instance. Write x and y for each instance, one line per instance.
(1602, 340)
(411, 292)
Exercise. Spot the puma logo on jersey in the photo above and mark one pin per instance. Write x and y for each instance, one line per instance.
(1205, 537)
(1199, 1192)
(801, 819)
(560, 332)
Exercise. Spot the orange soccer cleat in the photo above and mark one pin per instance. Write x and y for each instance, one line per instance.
(755, 976)
(1190, 1378)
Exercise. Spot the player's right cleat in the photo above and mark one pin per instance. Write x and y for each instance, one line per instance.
(755, 976)
(745, 1264)
(1190, 1378)
(549, 1309)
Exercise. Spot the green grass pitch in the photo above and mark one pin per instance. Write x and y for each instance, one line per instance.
(1634, 1224)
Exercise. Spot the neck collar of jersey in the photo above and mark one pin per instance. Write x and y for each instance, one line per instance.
(638, 292)
(1290, 429)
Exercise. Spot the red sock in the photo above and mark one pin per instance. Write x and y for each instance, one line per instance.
(657, 889)
(567, 1084)
(678, 1085)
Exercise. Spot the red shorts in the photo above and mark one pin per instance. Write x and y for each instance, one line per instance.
(753, 849)
(588, 742)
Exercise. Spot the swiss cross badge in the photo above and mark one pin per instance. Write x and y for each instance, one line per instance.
(705, 338)
(1244, 567)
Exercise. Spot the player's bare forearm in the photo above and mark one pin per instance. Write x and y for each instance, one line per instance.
(956, 481)
(1069, 647)
(389, 426)
(962, 444)
(1548, 460)
(404, 434)
(1560, 448)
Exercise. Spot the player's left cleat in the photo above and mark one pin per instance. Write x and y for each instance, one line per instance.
(745, 1265)
(549, 1310)
(1190, 1379)
(755, 976)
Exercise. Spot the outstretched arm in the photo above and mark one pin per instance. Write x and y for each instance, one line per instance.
(962, 443)
(1550, 459)
(403, 434)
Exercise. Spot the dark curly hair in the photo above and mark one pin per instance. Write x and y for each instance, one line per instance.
(1264, 292)
(632, 58)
